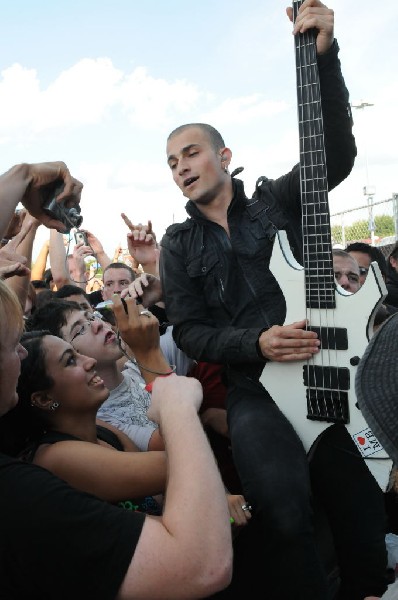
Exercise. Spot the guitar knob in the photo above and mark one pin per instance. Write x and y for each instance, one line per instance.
(354, 361)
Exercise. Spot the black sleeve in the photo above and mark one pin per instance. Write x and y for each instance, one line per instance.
(337, 118)
(58, 543)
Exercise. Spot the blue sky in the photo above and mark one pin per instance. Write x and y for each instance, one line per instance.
(100, 85)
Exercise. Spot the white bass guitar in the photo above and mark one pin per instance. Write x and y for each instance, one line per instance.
(317, 393)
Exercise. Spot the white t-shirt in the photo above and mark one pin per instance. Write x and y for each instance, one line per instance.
(128, 403)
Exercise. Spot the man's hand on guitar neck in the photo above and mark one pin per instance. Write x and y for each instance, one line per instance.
(314, 14)
(288, 342)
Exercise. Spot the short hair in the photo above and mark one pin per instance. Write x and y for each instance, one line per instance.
(43, 297)
(394, 251)
(52, 316)
(214, 136)
(48, 276)
(71, 290)
(344, 254)
(374, 253)
(40, 284)
(119, 265)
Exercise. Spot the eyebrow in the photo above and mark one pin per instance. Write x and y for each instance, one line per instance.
(183, 151)
(346, 273)
(77, 323)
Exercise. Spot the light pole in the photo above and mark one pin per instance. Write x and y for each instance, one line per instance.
(368, 190)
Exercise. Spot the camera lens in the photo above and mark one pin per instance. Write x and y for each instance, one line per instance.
(75, 217)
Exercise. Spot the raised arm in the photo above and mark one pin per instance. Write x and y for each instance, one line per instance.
(191, 545)
(140, 331)
(27, 183)
(58, 261)
(40, 264)
(98, 250)
(20, 282)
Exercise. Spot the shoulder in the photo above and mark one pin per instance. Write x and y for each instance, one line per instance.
(175, 229)
(111, 434)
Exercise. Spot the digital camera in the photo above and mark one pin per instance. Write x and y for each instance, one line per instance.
(70, 217)
(81, 236)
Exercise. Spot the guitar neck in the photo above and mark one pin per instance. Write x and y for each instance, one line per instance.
(317, 244)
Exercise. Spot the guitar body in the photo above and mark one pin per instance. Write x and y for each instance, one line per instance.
(288, 383)
(321, 391)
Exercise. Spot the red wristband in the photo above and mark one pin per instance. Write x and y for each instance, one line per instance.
(149, 385)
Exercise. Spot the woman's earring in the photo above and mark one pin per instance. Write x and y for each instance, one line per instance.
(54, 406)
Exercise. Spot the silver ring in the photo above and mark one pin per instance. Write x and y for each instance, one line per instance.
(147, 313)
(246, 507)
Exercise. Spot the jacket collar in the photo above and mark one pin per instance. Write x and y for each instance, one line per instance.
(238, 196)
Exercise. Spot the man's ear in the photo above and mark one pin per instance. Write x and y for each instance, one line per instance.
(226, 156)
(41, 400)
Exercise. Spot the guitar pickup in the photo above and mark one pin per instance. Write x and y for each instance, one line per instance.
(332, 338)
(327, 393)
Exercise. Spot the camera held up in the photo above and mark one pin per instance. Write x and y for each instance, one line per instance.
(69, 217)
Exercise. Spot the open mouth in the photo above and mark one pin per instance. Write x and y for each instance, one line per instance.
(109, 337)
(189, 181)
(96, 380)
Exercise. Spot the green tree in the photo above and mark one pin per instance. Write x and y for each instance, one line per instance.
(384, 226)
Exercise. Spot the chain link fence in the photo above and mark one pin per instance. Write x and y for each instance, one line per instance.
(375, 223)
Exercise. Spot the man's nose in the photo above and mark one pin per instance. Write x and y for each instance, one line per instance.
(97, 325)
(344, 282)
(183, 166)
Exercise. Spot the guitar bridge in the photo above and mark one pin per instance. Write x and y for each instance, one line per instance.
(327, 393)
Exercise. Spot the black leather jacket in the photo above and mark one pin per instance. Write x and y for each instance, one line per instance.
(218, 290)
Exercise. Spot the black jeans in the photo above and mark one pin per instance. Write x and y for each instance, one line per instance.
(274, 471)
(273, 468)
(354, 506)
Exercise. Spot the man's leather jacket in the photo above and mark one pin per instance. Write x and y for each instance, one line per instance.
(218, 290)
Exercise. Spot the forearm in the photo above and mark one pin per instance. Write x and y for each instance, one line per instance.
(103, 259)
(152, 363)
(59, 269)
(187, 499)
(13, 185)
(337, 120)
(152, 268)
(77, 272)
(39, 267)
(20, 284)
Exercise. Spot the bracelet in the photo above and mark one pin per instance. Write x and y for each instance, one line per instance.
(149, 385)
(172, 367)
(5, 241)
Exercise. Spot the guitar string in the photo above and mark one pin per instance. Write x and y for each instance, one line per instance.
(317, 226)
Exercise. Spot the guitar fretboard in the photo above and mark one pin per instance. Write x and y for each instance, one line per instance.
(318, 261)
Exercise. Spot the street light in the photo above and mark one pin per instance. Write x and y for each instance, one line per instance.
(368, 190)
(361, 105)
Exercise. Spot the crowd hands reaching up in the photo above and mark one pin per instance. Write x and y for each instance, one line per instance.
(55, 286)
(116, 468)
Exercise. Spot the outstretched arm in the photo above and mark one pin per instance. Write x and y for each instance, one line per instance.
(20, 281)
(194, 543)
(26, 183)
(40, 264)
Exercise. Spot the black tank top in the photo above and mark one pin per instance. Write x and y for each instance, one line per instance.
(148, 504)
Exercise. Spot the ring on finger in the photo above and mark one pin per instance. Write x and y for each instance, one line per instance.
(246, 507)
(147, 313)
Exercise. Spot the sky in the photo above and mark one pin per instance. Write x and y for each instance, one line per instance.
(100, 85)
